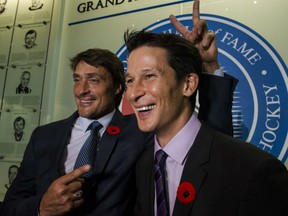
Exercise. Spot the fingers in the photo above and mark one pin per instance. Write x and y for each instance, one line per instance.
(75, 174)
(64, 194)
(196, 12)
(208, 40)
(188, 35)
(77, 195)
(178, 26)
(78, 203)
(201, 28)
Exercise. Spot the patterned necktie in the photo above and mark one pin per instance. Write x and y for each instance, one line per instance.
(162, 203)
(88, 151)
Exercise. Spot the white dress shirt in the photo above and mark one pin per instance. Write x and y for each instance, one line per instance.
(79, 136)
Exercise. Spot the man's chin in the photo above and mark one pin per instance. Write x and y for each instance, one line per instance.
(145, 128)
(84, 114)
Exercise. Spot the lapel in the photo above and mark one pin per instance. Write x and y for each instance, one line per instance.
(62, 137)
(193, 171)
(150, 180)
(108, 143)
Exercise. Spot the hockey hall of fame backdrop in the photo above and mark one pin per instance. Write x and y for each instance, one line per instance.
(260, 99)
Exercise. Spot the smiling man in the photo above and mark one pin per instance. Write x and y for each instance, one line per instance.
(50, 183)
(192, 169)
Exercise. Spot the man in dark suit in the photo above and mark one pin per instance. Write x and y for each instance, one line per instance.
(47, 182)
(192, 169)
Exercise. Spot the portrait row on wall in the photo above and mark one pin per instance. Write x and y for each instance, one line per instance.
(24, 45)
(24, 39)
(21, 12)
(21, 96)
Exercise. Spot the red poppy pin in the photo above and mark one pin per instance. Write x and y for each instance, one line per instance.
(113, 130)
(186, 193)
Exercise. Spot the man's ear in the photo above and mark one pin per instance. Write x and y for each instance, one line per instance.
(118, 89)
(191, 84)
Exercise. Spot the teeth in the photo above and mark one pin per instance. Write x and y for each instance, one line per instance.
(146, 108)
(86, 101)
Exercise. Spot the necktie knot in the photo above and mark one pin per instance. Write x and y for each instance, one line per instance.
(95, 126)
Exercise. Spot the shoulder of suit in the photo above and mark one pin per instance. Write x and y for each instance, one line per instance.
(249, 151)
(62, 122)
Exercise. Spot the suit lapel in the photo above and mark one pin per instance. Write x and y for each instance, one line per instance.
(62, 138)
(193, 171)
(108, 143)
(150, 180)
(145, 183)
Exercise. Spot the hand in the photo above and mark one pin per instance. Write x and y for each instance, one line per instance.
(64, 194)
(200, 36)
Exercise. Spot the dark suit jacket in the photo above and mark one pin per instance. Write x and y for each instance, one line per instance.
(114, 172)
(231, 178)
(112, 190)
(215, 98)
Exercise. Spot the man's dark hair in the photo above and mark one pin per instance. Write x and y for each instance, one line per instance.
(182, 55)
(103, 58)
(18, 119)
(25, 72)
(31, 31)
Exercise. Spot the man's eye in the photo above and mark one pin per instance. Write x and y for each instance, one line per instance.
(149, 76)
(128, 81)
(94, 81)
(76, 80)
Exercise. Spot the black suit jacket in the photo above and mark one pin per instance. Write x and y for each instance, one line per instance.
(114, 170)
(112, 189)
(231, 178)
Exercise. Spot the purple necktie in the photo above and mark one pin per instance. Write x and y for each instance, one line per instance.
(88, 151)
(161, 194)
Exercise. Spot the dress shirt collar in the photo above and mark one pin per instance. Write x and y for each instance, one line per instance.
(178, 147)
(105, 120)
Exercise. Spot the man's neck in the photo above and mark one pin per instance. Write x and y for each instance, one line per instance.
(165, 134)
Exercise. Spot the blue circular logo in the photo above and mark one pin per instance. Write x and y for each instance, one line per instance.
(260, 103)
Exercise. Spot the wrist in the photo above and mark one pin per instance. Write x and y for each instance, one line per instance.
(210, 67)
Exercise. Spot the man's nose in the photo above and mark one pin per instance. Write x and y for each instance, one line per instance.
(84, 87)
(136, 91)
